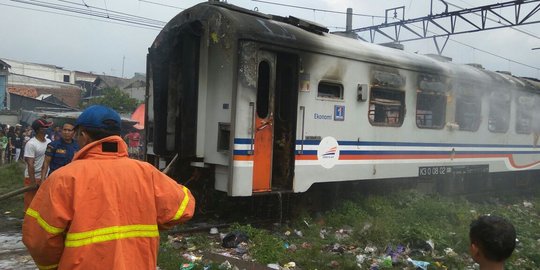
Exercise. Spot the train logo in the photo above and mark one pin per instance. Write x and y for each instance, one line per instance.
(328, 152)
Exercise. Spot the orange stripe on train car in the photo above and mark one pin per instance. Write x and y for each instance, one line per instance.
(243, 158)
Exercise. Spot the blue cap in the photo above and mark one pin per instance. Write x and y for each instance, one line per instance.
(101, 117)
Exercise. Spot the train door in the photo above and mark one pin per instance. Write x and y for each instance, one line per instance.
(264, 122)
(275, 121)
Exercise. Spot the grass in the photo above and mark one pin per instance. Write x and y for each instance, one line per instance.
(11, 210)
(168, 257)
(367, 226)
(372, 225)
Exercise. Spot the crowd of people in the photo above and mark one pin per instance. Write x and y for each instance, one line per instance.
(45, 147)
(12, 142)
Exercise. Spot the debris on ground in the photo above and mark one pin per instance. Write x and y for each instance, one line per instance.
(419, 264)
(233, 239)
(214, 230)
(397, 241)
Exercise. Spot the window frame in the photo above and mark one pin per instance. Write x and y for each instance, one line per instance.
(331, 83)
(519, 111)
(495, 101)
(478, 112)
(444, 100)
(380, 101)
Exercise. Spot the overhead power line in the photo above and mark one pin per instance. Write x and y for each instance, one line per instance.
(160, 4)
(110, 11)
(496, 55)
(111, 15)
(75, 16)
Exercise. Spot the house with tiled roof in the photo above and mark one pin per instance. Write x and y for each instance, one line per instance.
(67, 94)
(32, 80)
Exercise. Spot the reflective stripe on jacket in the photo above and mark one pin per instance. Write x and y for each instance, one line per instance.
(103, 211)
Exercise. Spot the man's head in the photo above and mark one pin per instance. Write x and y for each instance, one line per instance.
(95, 123)
(68, 131)
(41, 125)
(492, 238)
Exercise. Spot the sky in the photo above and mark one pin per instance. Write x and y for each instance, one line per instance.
(103, 46)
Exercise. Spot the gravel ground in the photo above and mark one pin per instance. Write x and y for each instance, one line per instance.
(13, 254)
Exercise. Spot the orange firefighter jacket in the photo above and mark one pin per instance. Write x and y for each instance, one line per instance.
(103, 211)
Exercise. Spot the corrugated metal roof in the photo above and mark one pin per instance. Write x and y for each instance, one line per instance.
(29, 116)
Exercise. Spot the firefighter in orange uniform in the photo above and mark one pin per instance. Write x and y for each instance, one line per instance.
(103, 210)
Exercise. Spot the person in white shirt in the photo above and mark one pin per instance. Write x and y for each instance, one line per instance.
(34, 155)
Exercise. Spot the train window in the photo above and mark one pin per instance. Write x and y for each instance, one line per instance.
(524, 109)
(468, 110)
(499, 113)
(330, 90)
(430, 110)
(263, 89)
(386, 107)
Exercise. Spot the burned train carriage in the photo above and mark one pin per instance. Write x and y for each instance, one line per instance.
(268, 103)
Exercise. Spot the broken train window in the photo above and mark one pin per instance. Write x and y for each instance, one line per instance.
(263, 89)
(468, 112)
(499, 112)
(524, 110)
(330, 90)
(430, 109)
(386, 107)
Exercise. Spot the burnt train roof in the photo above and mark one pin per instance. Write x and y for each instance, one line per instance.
(236, 23)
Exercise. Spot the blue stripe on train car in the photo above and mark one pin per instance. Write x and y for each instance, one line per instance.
(409, 144)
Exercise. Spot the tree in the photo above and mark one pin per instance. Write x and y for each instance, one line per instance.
(116, 99)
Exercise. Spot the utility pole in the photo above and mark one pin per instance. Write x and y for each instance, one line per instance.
(123, 61)
(348, 26)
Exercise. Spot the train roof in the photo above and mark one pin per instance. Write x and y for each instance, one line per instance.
(231, 23)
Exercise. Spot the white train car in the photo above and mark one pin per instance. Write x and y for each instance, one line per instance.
(272, 104)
